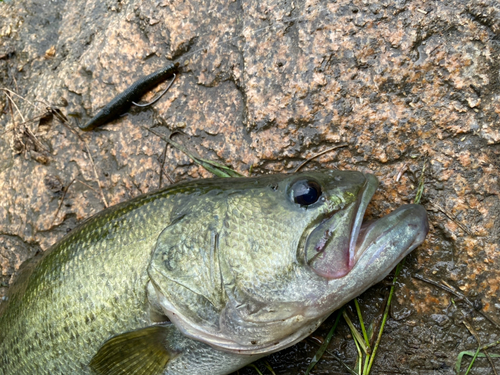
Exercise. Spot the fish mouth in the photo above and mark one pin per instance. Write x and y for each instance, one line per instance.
(336, 245)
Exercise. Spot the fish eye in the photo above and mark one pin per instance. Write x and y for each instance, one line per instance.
(306, 192)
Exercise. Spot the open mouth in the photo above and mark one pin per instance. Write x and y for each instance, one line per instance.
(336, 245)
(331, 248)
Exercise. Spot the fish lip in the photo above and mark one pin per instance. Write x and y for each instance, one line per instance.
(409, 217)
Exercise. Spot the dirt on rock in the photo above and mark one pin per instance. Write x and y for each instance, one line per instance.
(264, 86)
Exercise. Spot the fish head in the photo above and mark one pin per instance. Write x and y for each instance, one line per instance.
(255, 265)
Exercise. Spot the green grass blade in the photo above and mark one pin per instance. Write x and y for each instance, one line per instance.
(351, 371)
(474, 355)
(473, 360)
(361, 322)
(420, 188)
(213, 167)
(359, 360)
(386, 314)
(255, 368)
(215, 171)
(325, 344)
(355, 333)
(268, 366)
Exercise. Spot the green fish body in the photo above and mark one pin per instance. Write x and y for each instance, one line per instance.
(201, 277)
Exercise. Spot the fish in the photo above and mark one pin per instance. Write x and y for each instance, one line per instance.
(202, 277)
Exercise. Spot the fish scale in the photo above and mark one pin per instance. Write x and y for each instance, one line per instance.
(76, 274)
(202, 277)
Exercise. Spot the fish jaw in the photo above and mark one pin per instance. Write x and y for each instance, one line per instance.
(337, 244)
(331, 249)
(380, 246)
(392, 237)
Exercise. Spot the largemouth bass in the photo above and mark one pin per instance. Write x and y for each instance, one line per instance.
(202, 277)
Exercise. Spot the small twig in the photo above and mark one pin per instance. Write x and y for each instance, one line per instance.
(9, 103)
(452, 218)
(36, 118)
(106, 205)
(35, 140)
(65, 124)
(58, 114)
(170, 179)
(402, 170)
(20, 97)
(445, 288)
(476, 336)
(318, 155)
(87, 185)
(65, 190)
(162, 164)
(458, 295)
(17, 108)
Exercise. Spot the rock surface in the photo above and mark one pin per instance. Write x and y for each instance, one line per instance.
(266, 85)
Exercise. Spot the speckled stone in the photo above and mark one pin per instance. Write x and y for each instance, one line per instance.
(266, 85)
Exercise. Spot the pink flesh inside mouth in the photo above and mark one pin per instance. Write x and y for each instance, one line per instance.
(331, 246)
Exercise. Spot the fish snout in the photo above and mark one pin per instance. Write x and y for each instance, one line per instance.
(394, 236)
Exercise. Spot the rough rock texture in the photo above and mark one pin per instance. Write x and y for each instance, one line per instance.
(267, 84)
